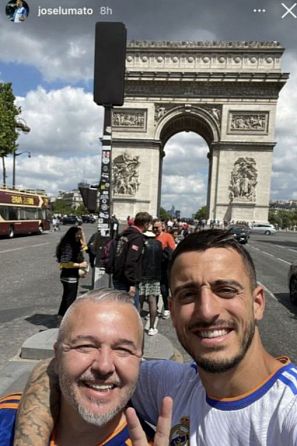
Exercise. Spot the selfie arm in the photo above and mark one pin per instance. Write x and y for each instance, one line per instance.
(39, 407)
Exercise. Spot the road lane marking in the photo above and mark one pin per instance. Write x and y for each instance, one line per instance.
(268, 291)
(292, 249)
(282, 260)
(23, 247)
(271, 255)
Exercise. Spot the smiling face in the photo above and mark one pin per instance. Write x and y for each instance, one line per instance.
(98, 360)
(214, 308)
(157, 227)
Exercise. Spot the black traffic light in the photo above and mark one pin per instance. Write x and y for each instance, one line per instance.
(89, 195)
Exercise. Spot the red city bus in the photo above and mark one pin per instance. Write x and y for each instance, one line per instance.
(23, 212)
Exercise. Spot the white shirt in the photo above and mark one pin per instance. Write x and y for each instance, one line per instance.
(20, 13)
(265, 416)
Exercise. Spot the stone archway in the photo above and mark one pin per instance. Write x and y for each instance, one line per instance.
(226, 92)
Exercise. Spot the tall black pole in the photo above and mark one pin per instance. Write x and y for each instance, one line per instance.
(101, 279)
(104, 217)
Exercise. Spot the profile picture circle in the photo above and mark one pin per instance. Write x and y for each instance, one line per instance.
(17, 11)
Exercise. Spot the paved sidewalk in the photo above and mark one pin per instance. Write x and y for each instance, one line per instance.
(40, 346)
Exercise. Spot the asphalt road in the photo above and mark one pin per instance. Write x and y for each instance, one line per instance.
(30, 290)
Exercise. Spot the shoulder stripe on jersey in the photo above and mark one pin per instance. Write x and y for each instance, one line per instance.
(293, 371)
(11, 397)
(9, 405)
(257, 394)
(289, 383)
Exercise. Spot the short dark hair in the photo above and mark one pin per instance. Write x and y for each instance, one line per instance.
(142, 218)
(214, 238)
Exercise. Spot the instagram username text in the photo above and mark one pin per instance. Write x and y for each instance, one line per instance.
(60, 10)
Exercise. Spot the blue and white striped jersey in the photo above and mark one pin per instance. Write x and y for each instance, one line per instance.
(265, 416)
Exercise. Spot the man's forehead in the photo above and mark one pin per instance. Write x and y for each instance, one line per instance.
(211, 262)
(90, 317)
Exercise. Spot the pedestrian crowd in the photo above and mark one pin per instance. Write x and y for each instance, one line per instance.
(97, 390)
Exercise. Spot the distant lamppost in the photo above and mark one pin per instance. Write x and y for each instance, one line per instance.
(22, 126)
(13, 166)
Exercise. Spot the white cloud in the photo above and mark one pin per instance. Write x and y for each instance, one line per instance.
(63, 122)
(63, 141)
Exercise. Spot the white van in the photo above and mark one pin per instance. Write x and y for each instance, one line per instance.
(263, 228)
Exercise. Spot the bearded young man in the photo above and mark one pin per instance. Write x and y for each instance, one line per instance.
(235, 393)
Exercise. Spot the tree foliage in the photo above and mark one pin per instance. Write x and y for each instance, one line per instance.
(8, 134)
(164, 215)
(8, 113)
(283, 218)
(62, 207)
(202, 213)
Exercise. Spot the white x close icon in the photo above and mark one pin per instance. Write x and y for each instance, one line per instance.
(289, 10)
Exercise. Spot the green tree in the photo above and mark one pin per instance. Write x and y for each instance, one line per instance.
(60, 206)
(81, 210)
(8, 134)
(202, 213)
(164, 215)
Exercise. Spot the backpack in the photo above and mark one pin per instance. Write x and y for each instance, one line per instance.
(113, 256)
(108, 255)
(122, 245)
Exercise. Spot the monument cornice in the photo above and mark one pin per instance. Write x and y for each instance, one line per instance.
(204, 45)
(199, 88)
(206, 76)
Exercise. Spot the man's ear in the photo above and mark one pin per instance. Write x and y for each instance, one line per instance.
(171, 309)
(259, 302)
(56, 353)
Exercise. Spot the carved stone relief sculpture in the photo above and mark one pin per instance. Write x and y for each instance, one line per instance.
(129, 119)
(243, 180)
(125, 171)
(248, 122)
(162, 109)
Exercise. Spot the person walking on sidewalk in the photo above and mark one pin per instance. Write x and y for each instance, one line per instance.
(168, 245)
(149, 287)
(70, 256)
(128, 257)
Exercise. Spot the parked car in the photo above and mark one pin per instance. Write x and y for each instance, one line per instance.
(292, 281)
(71, 220)
(88, 219)
(241, 233)
(263, 228)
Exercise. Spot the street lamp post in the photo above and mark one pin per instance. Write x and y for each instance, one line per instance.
(13, 166)
(23, 127)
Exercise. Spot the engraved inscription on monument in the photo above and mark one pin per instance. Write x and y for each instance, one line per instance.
(125, 172)
(246, 121)
(129, 119)
(243, 180)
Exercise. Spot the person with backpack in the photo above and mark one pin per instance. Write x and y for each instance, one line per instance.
(127, 262)
(149, 287)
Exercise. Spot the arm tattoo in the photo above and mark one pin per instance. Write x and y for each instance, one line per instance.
(39, 407)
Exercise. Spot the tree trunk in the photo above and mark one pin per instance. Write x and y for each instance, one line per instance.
(4, 171)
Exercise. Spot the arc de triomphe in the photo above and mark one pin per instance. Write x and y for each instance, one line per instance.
(226, 92)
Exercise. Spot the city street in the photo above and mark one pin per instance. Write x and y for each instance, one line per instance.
(31, 291)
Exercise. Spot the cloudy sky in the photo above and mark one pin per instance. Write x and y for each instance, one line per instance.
(49, 60)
